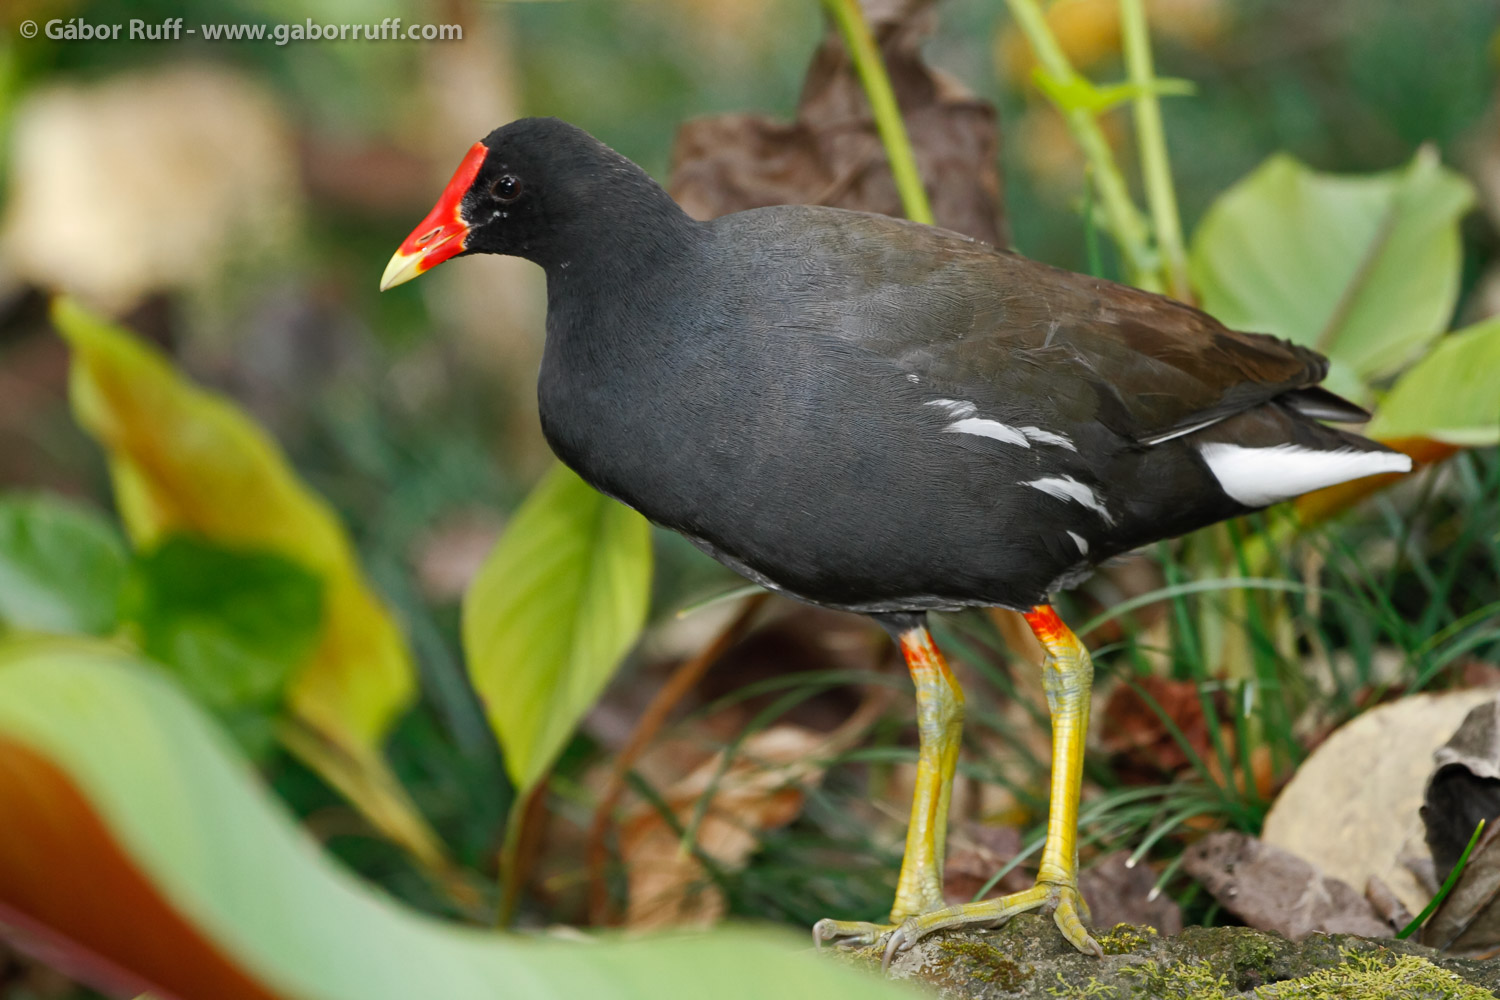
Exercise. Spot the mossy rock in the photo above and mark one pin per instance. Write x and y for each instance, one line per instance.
(1028, 958)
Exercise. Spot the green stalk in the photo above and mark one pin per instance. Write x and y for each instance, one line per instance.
(871, 69)
(1156, 169)
(1123, 218)
(1442, 894)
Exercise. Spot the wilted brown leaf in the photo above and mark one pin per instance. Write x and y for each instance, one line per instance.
(762, 789)
(1468, 921)
(1353, 829)
(976, 851)
(1120, 894)
(1274, 890)
(1133, 733)
(1463, 791)
(1464, 788)
(831, 154)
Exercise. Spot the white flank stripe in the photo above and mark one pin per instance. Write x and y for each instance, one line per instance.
(1259, 477)
(988, 428)
(1047, 437)
(1080, 541)
(955, 407)
(1068, 488)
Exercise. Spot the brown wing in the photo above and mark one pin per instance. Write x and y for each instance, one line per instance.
(971, 316)
(1170, 369)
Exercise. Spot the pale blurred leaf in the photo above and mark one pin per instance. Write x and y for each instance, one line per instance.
(1363, 268)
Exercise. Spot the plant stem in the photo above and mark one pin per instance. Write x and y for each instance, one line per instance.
(1123, 218)
(1156, 169)
(1442, 894)
(871, 69)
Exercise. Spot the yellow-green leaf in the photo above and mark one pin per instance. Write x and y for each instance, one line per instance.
(145, 857)
(557, 605)
(1452, 395)
(1363, 268)
(185, 460)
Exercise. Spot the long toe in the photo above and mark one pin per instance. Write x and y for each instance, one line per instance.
(1061, 898)
(850, 933)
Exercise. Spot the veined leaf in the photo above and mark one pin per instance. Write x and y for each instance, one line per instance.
(1451, 395)
(188, 461)
(1363, 268)
(144, 858)
(547, 620)
(61, 567)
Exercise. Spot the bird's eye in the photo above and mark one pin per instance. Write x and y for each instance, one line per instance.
(507, 188)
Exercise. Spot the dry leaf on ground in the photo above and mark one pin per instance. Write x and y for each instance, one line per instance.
(1274, 890)
(1119, 894)
(1468, 921)
(1352, 808)
(1142, 748)
(831, 155)
(976, 851)
(1464, 787)
(1463, 791)
(762, 789)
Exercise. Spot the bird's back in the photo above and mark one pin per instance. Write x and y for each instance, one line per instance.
(885, 416)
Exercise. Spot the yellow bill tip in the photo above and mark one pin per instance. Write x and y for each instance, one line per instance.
(402, 268)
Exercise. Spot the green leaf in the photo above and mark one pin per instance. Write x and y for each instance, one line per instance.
(62, 567)
(233, 625)
(1450, 395)
(1365, 269)
(149, 858)
(557, 605)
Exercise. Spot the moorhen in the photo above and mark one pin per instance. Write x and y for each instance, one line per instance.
(888, 418)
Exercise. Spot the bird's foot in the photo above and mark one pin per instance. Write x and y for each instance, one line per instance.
(1061, 898)
(852, 933)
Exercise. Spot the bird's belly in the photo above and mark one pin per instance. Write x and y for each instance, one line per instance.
(834, 511)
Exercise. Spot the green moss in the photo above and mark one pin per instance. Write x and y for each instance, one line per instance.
(1179, 981)
(1253, 959)
(1091, 990)
(1376, 975)
(1122, 939)
(987, 963)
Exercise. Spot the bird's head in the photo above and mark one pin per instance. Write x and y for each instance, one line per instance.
(529, 189)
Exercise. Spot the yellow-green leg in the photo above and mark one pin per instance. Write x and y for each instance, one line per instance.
(1067, 675)
(940, 715)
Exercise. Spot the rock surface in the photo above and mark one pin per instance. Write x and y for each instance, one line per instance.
(1027, 958)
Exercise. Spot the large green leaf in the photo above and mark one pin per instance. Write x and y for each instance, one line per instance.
(1452, 395)
(233, 625)
(61, 567)
(1365, 269)
(558, 603)
(145, 857)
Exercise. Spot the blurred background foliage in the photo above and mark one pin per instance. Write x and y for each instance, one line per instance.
(235, 202)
